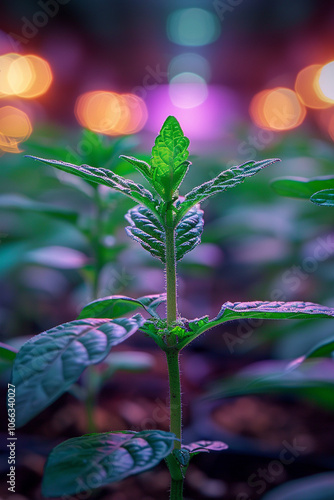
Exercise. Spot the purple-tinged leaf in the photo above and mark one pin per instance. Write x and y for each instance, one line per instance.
(205, 446)
(48, 364)
(94, 460)
(259, 310)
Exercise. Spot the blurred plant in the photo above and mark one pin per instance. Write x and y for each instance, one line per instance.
(47, 365)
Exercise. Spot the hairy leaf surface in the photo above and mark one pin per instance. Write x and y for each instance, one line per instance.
(94, 460)
(169, 158)
(106, 178)
(146, 229)
(225, 180)
(260, 310)
(116, 306)
(49, 363)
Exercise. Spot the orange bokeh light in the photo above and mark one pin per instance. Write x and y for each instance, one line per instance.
(111, 113)
(24, 76)
(277, 109)
(306, 87)
(15, 127)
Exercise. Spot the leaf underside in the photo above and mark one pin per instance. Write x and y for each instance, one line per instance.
(88, 462)
(146, 229)
(49, 363)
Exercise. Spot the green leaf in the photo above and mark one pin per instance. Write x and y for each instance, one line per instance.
(116, 306)
(106, 178)
(312, 379)
(49, 363)
(169, 159)
(324, 198)
(188, 232)
(20, 203)
(301, 187)
(7, 353)
(94, 460)
(148, 231)
(225, 180)
(315, 487)
(141, 165)
(260, 310)
(324, 349)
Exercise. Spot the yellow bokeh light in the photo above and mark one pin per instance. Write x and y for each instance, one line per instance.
(305, 87)
(111, 113)
(15, 127)
(24, 76)
(277, 109)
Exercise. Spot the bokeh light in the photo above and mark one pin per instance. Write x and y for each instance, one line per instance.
(111, 113)
(305, 87)
(193, 27)
(24, 76)
(277, 109)
(187, 90)
(326, 82)
(190, 63)
(15, 127)
(203, 122)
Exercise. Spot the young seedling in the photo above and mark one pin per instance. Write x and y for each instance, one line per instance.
(47, 365)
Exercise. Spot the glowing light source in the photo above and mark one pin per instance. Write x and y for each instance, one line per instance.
(190, 63)
(326, 82)
(24, 76)
(193, 27)
(277, 109)
(306, 87)
(111, 113)
(187, 90)
(204, 122)
(15, 127)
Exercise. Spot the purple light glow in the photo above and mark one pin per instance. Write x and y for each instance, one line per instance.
(212, 119)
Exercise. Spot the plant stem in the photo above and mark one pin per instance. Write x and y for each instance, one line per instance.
(175, 395)
(170, 268)
(176, 489)
(172, 354)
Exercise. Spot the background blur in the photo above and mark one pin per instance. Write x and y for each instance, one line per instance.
(87, 81)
